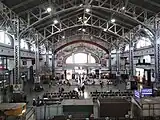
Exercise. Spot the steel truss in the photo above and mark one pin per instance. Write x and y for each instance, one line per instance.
(130, 12)
(143, 17)
(93, 53)
(14, 25)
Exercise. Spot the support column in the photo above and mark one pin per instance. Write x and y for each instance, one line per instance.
(53, 60)
(156, 51)
(131, 57)
(47, 55)
(73, 59)
(37, 77)
(110, 62)
(18, 85)
(87, 66)
(118, 59)
(89, 58)
(118, 62)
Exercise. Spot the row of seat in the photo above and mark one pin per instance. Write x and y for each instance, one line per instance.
(65, 95)
(109, 94)
(109, 118)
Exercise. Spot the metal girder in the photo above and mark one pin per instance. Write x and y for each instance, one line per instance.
(53, 59)
(11, 19)
(117, 57)
(17, 55)
(130, 12)
(93, 21)
(153, 3)
(37, 79)
(157, 50)
(105, 43)
(21, 4)
(131, 57)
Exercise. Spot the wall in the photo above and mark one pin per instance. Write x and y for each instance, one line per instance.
(10, 63)
(8, 51)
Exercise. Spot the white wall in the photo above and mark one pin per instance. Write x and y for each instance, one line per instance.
(44, 60)
(10, 63)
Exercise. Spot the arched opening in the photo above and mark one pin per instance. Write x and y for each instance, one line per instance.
(4, 38)
(80, 62)
(80, 58)
(24, 45)
(143, 42)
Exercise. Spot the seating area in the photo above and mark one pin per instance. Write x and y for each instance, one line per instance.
(110, 94)
(63, 95)
(109, 118)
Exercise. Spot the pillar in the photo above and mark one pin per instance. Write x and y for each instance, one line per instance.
(110, 62)
(118, 59)
(89, 58)
(87, 68)
(17, 80)
(53, 60)
(37, 77)
(156, 51)
(73, 60)
(131, 57)
(47, 55)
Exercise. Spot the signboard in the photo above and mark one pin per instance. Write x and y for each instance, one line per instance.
(146, 91)
(17, 88)
(137, 94)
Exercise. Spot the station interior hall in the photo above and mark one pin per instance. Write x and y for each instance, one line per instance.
(79, 59)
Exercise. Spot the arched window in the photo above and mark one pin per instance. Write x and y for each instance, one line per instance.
(113, 51)
(126, 47)
(33, 47)
(147, 58)
(4, 38)
(43, 49)
(80, 58)
(69, 59)
(143, 42)
(93, 60)
(24, 44)
(50, 52)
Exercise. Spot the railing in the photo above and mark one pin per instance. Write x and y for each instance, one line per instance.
(112, 118)
(30, 114)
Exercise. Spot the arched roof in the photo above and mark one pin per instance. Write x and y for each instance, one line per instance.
(81, 41)
(102, 18)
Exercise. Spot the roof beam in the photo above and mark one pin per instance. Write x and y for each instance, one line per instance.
(21, 4)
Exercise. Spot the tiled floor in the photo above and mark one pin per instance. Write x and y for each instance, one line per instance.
(57, 110)
(88, 89)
